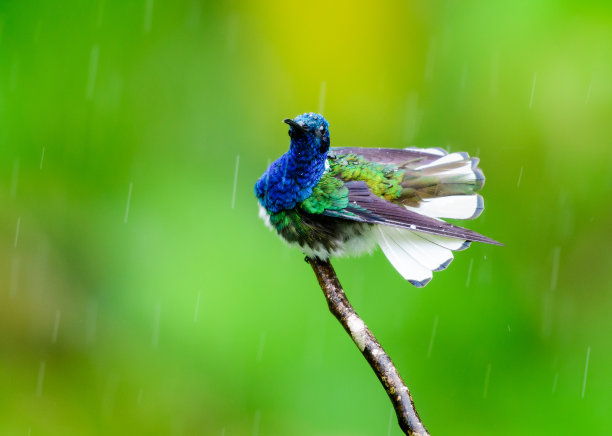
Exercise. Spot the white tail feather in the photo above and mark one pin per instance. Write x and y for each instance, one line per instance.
(465, 171)
(436, 151)
(400, 258)
(431, 256)
(445, 241)
(462, 207)
(449, 158)
(415, 255)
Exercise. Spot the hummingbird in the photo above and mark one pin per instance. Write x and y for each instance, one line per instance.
(332, 202)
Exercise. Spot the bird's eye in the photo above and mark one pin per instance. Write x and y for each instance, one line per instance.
(322, 130)
(303, 125)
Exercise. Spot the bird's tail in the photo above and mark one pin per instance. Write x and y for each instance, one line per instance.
(445, 187)
(416, 255)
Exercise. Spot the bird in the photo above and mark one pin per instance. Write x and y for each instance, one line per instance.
(342, 201)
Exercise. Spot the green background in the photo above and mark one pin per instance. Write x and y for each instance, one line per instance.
(183, 314)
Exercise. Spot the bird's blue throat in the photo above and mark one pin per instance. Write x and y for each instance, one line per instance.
(292, 177)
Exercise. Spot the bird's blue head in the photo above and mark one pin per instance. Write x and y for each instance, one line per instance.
(309, 133)
(291, 178)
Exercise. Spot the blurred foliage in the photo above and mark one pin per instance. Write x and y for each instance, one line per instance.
(183, 315)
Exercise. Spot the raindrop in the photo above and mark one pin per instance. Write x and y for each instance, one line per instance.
(41, 377)
(58, 317)
(469, 274)
(235, 180)
(554, 387)
(93, 71)
(586, 369)
(535, 76)
(486, 383)
(390, 421)
(42, 157)
(14, 74)
(156, 320)
(555, 268)
(101, 12)
(256, 420)
(91, 322)
(508, 328)
(197, 308)
(494, 74)
(464, 74)
(518, 182)
(433, 335)
(110, 392)
(15, 267)
(17, 231)
(232, 33)
(127, 206)
(429, 63)
(148, 16)
(322, 92)
(14, 178)
(195, 14)
(412, 118)
(262, 342)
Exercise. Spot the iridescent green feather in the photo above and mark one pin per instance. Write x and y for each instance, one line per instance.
(329, 194)
(384, 180)
(294, 226)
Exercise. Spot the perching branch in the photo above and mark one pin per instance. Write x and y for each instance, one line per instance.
(380, 362)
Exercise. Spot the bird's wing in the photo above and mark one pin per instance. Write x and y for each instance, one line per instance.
(415, 244)
(364, 206)
(403, 193)
(429, 181)
(395, 156)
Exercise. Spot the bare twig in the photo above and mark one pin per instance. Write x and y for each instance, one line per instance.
(380, 362)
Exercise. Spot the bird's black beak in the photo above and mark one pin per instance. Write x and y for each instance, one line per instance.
(295, 125)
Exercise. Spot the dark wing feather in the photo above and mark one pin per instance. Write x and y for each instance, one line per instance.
(396, 156)
(364, 206)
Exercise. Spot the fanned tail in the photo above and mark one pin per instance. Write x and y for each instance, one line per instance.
(416, 255)
(409, 229)
(445, 187)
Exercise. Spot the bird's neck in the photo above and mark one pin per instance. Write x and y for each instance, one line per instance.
(291, 178)
(305, 163)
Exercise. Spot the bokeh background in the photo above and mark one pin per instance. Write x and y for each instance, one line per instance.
(140, 293)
